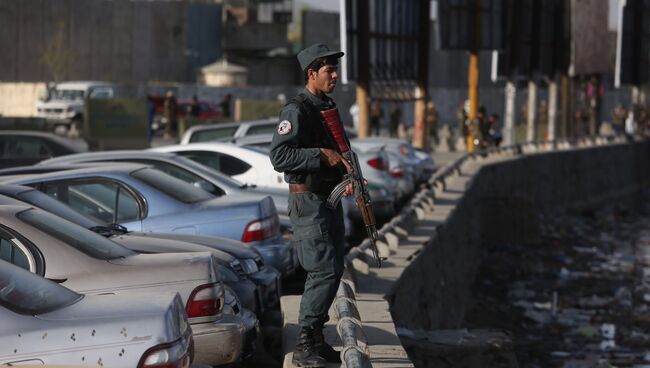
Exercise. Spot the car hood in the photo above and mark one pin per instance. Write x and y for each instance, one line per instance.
(168, 243)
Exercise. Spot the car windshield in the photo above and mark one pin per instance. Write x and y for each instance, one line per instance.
(213, 134)
(82, 239)
(175, 188)
(49, 204)
(67, 94)
(26, 293)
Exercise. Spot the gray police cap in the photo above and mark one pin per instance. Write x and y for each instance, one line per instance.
(313, 52)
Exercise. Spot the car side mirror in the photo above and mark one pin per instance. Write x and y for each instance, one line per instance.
(205, 185)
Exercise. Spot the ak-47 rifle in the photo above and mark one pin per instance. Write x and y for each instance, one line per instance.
(355, 177)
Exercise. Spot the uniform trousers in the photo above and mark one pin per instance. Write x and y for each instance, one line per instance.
(319, 233)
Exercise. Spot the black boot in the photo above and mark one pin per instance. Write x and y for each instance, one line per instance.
(306, 354)
(325, 350)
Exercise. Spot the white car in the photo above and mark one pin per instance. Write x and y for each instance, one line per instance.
(44, 323)
(245, 164)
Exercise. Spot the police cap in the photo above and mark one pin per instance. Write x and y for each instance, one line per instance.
(313, 52)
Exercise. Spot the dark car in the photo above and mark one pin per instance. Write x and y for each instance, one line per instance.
(19, 148)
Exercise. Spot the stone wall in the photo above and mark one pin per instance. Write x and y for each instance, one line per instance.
(500, 205)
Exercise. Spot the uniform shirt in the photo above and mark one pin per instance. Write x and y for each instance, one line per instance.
(295, 149)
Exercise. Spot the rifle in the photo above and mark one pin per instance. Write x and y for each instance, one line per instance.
(355, 177)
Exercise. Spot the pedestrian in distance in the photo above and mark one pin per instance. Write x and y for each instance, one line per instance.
(225, 106)
(194, 108)
(395, 118)
(171, 115)
(376, 114)
(304, 151)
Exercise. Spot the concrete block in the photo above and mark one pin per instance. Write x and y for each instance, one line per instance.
(392, 240)
(360, 266)
(384, 249)
(420, 213)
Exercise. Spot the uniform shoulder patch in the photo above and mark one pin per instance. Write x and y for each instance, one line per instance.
(284, 127)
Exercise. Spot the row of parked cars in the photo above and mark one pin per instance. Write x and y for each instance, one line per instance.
(158, 257)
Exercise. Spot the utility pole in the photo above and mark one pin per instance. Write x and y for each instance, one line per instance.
(363, 80)
(421, 133)
(473, 75)
(552, 109)
(509, 118)
(532, 111)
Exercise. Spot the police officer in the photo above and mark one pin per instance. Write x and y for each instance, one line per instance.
(303, 149)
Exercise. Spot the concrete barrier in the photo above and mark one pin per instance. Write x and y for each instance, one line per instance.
(432, 292)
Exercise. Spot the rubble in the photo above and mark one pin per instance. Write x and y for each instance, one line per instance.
(578, 298)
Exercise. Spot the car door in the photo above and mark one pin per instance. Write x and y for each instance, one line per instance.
(107, 201)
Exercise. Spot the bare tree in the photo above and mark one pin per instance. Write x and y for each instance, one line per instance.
(57, 56)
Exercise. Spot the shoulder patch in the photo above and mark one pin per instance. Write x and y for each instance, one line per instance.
(284, 127)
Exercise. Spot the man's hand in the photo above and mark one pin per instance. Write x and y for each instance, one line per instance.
(332, 158)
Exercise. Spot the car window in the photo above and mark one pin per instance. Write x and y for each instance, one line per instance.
(26, 293)
(21, 147)
(104, 201)
(10, 252)
(84, 240)
(169, 185)
(262, 129)
(179, 173)
(233, 166)
(220, 162)
(49, 204)
(213, 134)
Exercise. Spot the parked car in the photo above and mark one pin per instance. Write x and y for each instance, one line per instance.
(88, 263)
(243, 164)
(152, 201)
(177, 166)
(19, 148)
(381, 187)
(241, 267)
(46, 323)
(421, 162)
(228, 131)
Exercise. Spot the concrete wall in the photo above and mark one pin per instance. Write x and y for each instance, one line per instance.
(500, 206)
(19, 99)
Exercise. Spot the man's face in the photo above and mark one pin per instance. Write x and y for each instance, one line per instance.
(325, 79)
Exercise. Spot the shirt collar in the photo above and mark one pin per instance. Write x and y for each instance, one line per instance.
(317, 101)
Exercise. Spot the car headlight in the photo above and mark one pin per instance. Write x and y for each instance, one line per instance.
(250, 266)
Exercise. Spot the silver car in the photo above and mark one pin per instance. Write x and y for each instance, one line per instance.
(88, 263)
(228, 131)
(46, 323)
(235, 272)
(141, 198)
(177, 166)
